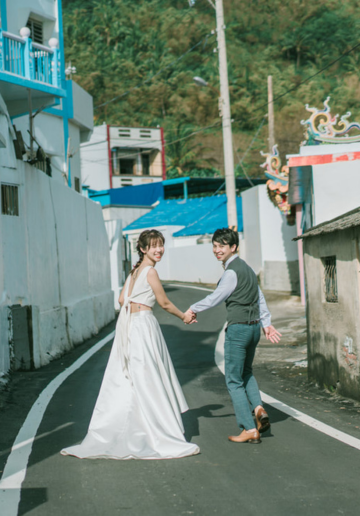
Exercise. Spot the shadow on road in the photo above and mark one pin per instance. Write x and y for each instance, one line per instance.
(191, 418)
(31, 498)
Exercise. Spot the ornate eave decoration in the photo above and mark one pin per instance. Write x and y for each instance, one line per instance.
(278, 180)
(322, 127)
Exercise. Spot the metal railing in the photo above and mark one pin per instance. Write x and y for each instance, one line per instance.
(20, 56)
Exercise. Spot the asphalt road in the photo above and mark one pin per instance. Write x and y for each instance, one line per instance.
(295, 470)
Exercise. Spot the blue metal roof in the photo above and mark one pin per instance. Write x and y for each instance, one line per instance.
(141, 195)
(199, 216)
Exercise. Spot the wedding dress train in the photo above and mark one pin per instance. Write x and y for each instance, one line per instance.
(138, 411)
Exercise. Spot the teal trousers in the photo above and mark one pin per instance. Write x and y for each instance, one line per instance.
(240, 346)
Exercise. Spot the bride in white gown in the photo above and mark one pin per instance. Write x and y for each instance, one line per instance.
(138, 411)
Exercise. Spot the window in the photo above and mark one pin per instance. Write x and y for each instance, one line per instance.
(330, 279)
(36, 30)
(124, 133)
(126, 167)
(9, 200)
(145, 164)
(123, 162)
(77, 184)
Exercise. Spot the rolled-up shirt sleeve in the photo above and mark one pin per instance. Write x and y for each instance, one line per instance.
(265, 315)
(225, 288)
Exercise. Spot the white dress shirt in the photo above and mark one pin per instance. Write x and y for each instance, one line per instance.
(225, 288)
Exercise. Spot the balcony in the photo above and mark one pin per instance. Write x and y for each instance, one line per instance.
(26, 66)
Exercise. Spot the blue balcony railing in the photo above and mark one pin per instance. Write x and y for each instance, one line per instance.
(23, 58)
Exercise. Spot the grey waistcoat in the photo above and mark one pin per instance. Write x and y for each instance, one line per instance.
(242, 306)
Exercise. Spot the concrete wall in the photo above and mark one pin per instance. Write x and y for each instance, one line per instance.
(95, 160)
(268, 247)
(185, 241)
(194, 263)
(82, 112)
(114, 233)
(49, 132)
(55, 259)
(252, 235)
(127, 214)
(334, 328)
(332, 195)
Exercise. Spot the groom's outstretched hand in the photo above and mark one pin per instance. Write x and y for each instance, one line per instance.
(272, 334)
(190, 317)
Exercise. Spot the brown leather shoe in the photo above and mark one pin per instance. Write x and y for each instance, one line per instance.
(246, 436)
(262, 420)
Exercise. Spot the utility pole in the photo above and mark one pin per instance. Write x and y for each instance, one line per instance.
(226, 117)
(271, 115)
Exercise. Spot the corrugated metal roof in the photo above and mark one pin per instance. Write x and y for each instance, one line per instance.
(139, 195)
(199, 216)
(345, 221)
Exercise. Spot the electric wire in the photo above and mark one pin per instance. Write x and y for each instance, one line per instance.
(205, 38)
(241, 161)
(265, 105)
(344, 54)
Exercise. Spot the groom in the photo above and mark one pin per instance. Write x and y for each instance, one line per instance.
(246, 312)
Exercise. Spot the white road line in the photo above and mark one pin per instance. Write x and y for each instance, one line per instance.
(16, 465)
(279, 405)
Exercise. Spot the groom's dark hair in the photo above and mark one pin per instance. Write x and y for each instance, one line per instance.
(226, 236)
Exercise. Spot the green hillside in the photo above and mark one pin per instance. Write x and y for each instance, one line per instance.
(133, 50)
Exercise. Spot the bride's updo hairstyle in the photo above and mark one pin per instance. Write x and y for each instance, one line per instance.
(146, 238)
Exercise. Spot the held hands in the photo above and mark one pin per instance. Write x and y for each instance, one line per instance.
(272, 334)
(189, 317)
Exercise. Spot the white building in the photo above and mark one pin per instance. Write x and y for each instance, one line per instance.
(268, 242)
(333, 179)
(122, 156)
(54, 265)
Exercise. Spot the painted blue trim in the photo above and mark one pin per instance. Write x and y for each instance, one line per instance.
(175, 181)
(61, 45)
(32, 85)
(67, 103)
(54, 112)
(69, 99)
(3, 15)
(185, 191)
(103, 198)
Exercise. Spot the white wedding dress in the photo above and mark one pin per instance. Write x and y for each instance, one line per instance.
(137, 413)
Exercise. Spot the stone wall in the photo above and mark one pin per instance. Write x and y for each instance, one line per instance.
(334, 327)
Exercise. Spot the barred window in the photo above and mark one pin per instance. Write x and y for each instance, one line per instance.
(36, 30)
(9, 200)
(330, 279)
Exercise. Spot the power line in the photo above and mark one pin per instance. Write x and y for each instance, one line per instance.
(307, 79)
(205, 38)
(247, 150)
(257, 109)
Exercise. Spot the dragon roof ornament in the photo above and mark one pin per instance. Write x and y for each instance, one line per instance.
(278, 180)
(322, 127)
